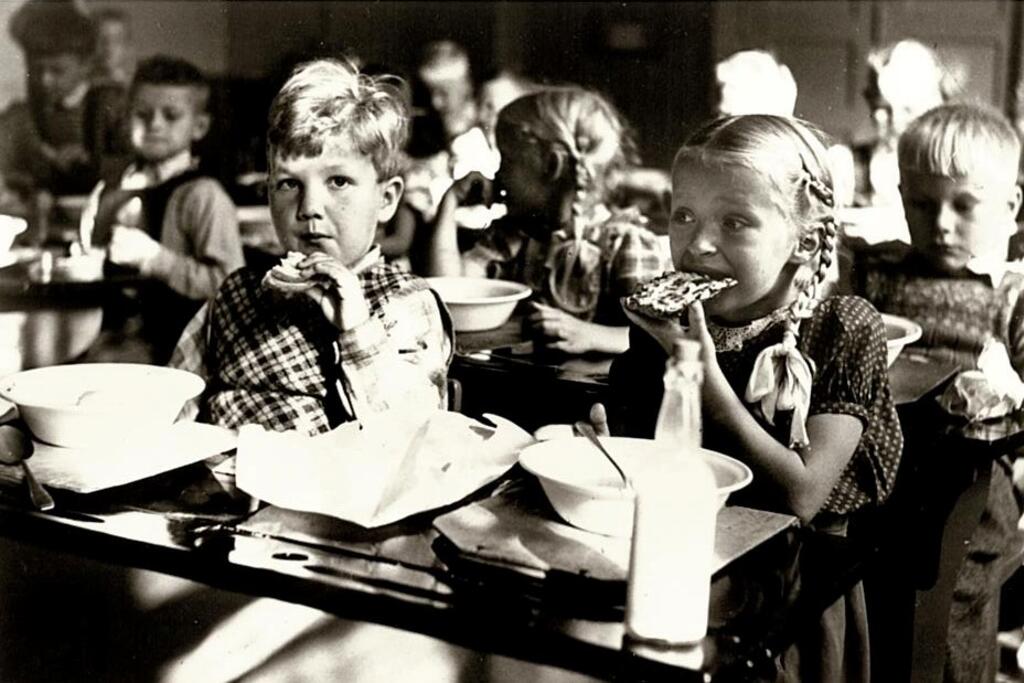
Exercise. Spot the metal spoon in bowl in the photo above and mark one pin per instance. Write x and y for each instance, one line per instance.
(587, 430)
(15, 448)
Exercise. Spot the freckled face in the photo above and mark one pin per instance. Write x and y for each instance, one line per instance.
(953, 220)
(331, 203)
(725, 224)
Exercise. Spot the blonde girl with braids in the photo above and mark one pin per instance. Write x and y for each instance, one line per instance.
(558, 148)
(795, 385)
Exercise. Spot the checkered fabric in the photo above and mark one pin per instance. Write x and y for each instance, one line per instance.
(275, 361)
(585, 276)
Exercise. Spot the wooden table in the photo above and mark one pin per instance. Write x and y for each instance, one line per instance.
(410, 576)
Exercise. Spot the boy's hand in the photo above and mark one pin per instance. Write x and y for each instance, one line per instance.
(132, 247)
(337, 291)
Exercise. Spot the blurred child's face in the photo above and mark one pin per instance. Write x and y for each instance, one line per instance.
(164, 121)
(724, 223)
(494, 95)
(112, 44)
(449, 96)
(53, 77)
(331, 203)
(954, 220)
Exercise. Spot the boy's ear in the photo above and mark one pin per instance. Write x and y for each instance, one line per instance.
(391, 194)
(1015, 201)
(806, 248)
(200, 126)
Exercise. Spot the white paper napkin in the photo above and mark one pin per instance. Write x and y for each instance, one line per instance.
(378, 471)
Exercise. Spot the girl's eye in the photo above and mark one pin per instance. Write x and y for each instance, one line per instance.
(338, 181)
(732, 223)
(286, 184)
(171, 115)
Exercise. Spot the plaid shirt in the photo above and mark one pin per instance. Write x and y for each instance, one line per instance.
(276, 361)
(585, 276)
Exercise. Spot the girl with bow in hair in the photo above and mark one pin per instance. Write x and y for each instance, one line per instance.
(795, 385)
(558, 149)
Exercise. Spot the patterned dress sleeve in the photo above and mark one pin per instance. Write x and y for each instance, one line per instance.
(639, 255)
(846, 339)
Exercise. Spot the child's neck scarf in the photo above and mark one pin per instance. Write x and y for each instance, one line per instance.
(782, 375)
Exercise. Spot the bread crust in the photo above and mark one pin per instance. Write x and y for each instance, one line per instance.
(670, 294)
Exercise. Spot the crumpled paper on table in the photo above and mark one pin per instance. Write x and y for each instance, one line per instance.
(993, 390)
(380, 470)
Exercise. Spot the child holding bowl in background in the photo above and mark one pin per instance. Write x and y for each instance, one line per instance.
(558, 147)
(794, 386)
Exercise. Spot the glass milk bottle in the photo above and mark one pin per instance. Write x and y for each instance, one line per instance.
(669, 585)
(679, 425)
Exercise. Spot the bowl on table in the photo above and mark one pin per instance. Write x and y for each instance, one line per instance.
(91, 404)
(898, 333)
(586, 491)
(10, 227)
(478, 303)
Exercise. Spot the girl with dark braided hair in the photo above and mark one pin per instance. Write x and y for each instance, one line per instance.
(796, 385)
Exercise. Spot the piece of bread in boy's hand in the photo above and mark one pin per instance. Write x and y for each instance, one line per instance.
(669, 295)
(286, 276)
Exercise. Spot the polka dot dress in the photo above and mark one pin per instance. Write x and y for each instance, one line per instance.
(846, 341)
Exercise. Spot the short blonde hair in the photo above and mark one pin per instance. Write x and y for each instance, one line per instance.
(959, 140)
(327, 98)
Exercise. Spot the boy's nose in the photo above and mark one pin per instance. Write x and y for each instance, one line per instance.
(310, 208)
(945, 223)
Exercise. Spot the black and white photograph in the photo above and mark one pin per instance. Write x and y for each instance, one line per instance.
(497, 342)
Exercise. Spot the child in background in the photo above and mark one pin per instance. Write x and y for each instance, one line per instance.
(558, 147)
(161, 216)
(114, 58)
(363, 336)
(795, 387)
(958, 169)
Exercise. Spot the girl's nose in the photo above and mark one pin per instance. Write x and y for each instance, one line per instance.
(702, 244)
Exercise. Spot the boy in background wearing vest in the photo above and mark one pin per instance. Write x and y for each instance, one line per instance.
(161, 217)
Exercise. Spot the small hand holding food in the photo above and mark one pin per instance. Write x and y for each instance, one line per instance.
(560, 330)
(132, 247)
(326, 281)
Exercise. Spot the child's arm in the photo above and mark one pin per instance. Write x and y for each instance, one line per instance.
(802, 479)
(200, 246)
(444, 257)
(402, 366)
(568, 333)
(190, 354)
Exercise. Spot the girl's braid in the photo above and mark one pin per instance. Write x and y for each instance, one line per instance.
(807, 297)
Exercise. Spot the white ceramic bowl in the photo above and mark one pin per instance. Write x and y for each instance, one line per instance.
(585, 490)
(10, 227)
(478, 303)
(93, 403)
(898, 333)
